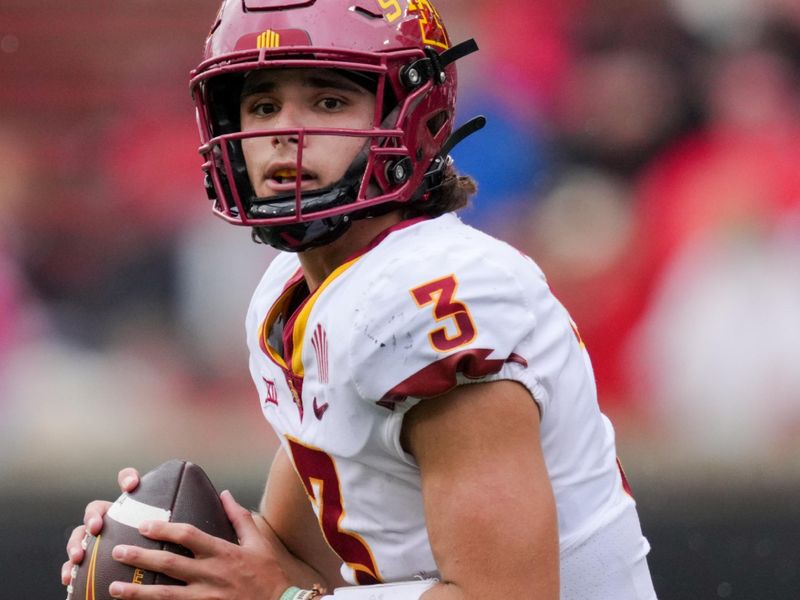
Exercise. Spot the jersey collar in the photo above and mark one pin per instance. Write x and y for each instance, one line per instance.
(296, 323)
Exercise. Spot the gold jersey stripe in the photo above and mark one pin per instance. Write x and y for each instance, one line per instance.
(302, 319)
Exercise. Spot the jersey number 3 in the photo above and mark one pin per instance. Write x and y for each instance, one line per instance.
(441, 293)
(321, 480)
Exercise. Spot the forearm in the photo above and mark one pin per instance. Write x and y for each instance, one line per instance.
(297, 571)
(287, 515)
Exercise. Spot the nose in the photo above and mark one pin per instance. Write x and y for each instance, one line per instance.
(285, 140)
(288, 118)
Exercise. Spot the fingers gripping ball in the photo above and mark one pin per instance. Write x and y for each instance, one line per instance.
(177, 491)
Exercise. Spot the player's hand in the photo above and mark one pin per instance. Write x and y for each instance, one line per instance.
(219, 569)
(128, 479)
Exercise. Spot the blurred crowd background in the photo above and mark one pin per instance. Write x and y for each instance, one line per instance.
(645, 152)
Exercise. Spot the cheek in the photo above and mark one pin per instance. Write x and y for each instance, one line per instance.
(339, 153)
(250, 146)
(251, 151)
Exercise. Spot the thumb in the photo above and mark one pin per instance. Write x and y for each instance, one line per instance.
(240, 518)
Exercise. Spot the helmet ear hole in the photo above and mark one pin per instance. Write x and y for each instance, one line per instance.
(399, 171)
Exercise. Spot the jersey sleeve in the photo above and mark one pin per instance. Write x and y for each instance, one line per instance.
(425, 327)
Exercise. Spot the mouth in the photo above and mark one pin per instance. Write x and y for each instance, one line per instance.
(284, 178)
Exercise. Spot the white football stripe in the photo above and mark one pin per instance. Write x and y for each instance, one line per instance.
(133, 513)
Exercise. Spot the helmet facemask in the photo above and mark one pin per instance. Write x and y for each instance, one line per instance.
(414, 87)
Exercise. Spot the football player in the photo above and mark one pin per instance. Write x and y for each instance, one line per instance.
(436, 408)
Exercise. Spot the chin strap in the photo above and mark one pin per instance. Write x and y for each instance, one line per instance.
(340, 193)
(435, 175)
(432, 66)
(474, 125)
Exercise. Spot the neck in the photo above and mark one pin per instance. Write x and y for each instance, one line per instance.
(320, 262)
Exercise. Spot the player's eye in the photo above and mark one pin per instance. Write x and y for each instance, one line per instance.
(262, 108)
(331, 104)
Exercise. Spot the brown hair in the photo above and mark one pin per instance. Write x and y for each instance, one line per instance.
(453, 194)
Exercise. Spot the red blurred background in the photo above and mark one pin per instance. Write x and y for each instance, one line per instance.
(644, 152)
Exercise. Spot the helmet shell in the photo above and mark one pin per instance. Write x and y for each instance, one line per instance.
(378, 37)
(363, 25)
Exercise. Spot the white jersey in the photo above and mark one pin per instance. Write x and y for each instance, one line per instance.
(431, 305)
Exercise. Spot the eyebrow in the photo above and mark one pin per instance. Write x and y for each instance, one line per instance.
(316, 81)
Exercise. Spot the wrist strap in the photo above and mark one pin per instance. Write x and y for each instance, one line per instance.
(290, 593)
(295, 593)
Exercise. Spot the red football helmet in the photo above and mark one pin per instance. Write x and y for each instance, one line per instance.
(399, 46)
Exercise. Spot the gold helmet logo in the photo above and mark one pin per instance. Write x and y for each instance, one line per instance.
(269, 39)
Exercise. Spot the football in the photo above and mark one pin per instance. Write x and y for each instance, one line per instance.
(177, 491)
